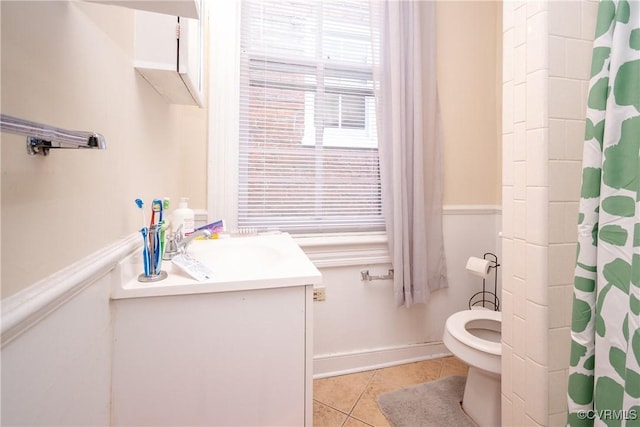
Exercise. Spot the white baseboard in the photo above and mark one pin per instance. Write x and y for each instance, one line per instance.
(329, 365)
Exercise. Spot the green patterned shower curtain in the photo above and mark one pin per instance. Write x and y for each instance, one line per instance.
(604, 372)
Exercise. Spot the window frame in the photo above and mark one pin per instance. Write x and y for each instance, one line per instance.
(223, 147)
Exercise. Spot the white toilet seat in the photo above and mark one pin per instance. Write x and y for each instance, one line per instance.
(457, 327)
(481, 400)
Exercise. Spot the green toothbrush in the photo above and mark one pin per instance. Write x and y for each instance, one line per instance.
(163, 229)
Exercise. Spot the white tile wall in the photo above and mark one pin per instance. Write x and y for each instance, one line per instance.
(519, 141)
(507, 61)
(530, 422)
(519, 180)
(589, 18)
(562, 297)
(565, 19)
(559, 341)
(537, 380)
(519, 249)
(557, 397)
(507, 411)
(578, 63)
(569, 174)
(507, 326)
(536, 6)
(519, 372)
(507, 371)
(556, 133)
(563, 228)
(565, 93)
(508, 159)
(558, 419)
(546, 65)
(520, 219)
(507, 113)
(574, 137)
(520, 64)
(520, 28)
(556, 56)
(519, 360)
(537, 152)
(537, 279)
(536, 330)
(519, 104)
(507, 223)
(537, 218)
(557, 230)
(536, 102)
(537, 40)
(518, 415)
(561, 263)
(508, 19)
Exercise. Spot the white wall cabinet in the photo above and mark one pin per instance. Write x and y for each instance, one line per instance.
(185, 8)
(169, 52)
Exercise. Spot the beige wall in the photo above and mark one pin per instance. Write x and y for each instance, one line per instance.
(469, 66)
(69, 63)
(193, 160)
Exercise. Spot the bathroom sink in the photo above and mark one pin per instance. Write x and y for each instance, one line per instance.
(241, 253)
(237, 263)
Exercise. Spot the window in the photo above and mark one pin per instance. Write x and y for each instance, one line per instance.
(308, 144)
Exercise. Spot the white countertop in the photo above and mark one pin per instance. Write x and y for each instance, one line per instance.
(238, 263)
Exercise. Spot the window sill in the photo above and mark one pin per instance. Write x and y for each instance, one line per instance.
(345, 249)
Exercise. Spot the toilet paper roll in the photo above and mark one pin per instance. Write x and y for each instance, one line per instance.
(478, 266)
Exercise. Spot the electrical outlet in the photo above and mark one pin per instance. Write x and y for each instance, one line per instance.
(318, 294)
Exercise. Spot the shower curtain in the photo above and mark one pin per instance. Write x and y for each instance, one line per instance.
(604, 372)
(410, 148)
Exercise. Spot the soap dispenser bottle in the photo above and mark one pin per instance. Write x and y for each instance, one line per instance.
(183, 216)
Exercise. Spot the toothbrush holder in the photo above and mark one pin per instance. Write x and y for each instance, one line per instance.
(154, 255)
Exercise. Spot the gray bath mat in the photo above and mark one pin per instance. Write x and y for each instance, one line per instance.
(436, 403)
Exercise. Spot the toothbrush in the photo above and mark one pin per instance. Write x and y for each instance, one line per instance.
(161, 204)
(140, 203)
(163, 229)
(145, 250)
(156, 209)
(154, 250)
(145, 243)
(156, 218)
(165, 206)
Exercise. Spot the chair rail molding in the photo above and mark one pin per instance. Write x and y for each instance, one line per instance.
(29, 306)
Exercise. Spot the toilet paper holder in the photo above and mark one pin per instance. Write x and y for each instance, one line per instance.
(484, 296)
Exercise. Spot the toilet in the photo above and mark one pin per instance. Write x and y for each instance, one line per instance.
(473, 336)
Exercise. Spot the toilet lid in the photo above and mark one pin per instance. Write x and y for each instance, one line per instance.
(456, 325)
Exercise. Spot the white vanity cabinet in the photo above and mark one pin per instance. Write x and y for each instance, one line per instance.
(169, 54)
(233, 351)
(220, 359)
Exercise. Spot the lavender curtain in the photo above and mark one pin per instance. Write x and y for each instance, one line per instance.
(411, 149)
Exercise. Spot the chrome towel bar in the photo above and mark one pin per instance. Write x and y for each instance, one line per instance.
(41, 138)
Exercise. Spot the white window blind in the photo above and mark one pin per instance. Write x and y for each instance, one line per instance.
(308, 144)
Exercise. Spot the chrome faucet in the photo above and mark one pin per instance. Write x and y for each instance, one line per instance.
(185, 240)
(177, 243)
